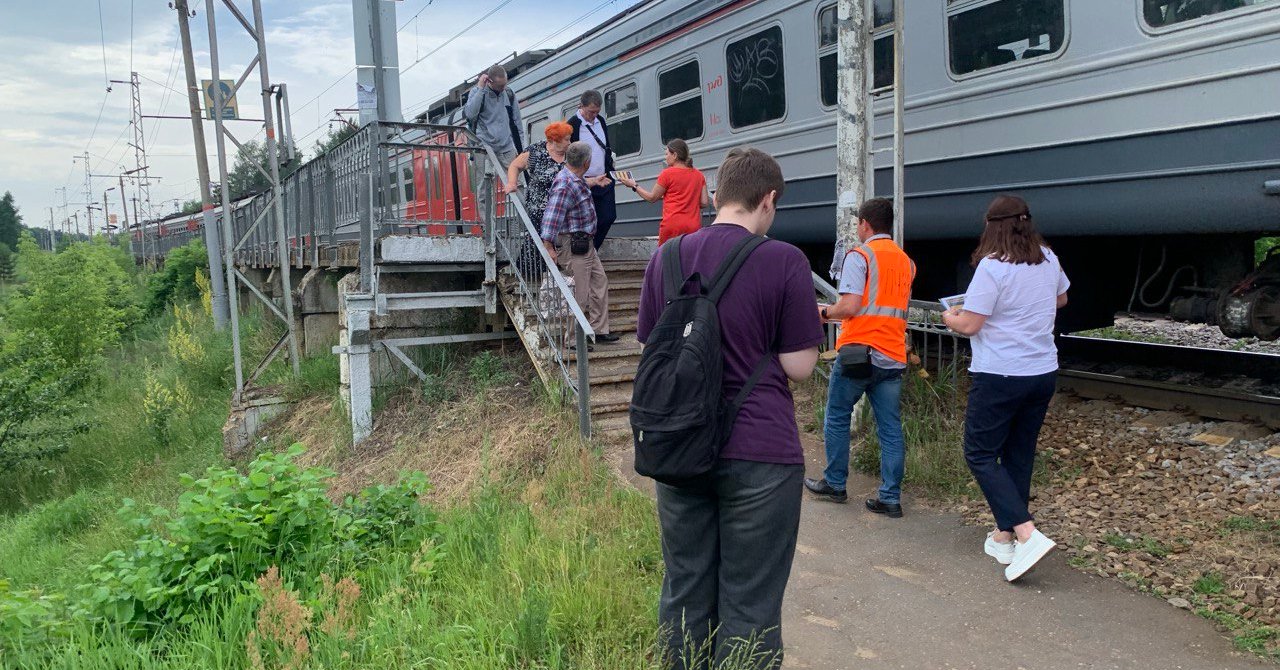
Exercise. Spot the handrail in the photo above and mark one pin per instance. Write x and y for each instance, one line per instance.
(556, 275)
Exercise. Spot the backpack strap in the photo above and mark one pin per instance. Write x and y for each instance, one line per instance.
(673, 275)
(731, 264)
(747, 388)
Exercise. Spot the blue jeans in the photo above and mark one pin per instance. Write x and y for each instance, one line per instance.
(884, 390)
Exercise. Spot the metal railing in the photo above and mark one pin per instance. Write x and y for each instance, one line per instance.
(924, 323)
(542, 302)
(418, 179)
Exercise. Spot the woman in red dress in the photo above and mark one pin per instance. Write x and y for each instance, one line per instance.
(682, 190)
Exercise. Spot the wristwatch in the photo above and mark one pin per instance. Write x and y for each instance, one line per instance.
(824, 313)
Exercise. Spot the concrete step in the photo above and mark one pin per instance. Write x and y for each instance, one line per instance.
(612, 371)
(625, 266)
(612, 428)
(610, 398)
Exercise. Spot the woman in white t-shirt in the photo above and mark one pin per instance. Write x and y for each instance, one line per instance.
(1008, 313)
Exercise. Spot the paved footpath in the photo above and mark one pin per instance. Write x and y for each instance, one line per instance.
(873, 593)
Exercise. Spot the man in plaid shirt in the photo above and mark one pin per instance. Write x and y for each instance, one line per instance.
(569, 216)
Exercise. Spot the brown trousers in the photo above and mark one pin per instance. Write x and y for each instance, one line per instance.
(590, 285)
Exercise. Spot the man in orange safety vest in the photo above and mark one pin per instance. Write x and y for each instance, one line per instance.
(875, 287)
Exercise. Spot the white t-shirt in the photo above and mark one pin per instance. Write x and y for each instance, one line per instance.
(1020, 303)
(597, 149)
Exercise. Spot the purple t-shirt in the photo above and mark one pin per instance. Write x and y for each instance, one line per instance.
(768, 309)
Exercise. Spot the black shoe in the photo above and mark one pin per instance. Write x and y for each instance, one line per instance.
(606, 337)
(891, 510)
(823, 490)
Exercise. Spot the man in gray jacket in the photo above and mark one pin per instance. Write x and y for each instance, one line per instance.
(493, 114)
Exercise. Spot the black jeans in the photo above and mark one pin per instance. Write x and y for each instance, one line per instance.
(728, 545)
(1001, 425)
(606, 211)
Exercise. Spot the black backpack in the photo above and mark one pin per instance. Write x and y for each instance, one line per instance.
(679, 416)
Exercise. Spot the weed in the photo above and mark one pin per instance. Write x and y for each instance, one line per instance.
(933, 425)
(1209, 583)
(487, 370)
(1112, 333)
(317, 376)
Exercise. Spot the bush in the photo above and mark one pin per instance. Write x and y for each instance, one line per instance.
(229, 528)
(39, 396)
(176, 282)
(79, 300)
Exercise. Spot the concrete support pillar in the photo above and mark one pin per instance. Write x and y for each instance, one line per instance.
(354, 352)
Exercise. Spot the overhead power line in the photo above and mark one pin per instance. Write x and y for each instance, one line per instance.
(456, 35)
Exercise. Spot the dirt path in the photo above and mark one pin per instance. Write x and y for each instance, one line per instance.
(918, 593)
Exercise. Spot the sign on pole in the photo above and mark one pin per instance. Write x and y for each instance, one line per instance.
(112, 220)
(229, 109)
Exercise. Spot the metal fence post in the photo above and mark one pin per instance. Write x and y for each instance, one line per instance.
(584, 386)
(365, 193)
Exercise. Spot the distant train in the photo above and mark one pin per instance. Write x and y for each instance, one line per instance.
(1144, 133)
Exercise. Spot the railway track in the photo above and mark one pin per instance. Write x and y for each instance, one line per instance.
(1214, 383)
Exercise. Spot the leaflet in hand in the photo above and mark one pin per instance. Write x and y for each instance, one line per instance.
(952, 301)
(621, 175)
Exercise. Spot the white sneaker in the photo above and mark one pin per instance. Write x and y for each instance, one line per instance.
(1027, 554)
(1001, 551)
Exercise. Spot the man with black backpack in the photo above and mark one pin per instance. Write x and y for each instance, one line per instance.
(726, 318)
(493, 114)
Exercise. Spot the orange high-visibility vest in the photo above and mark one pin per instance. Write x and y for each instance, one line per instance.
(881, 321)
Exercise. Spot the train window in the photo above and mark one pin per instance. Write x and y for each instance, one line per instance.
(1160, 13)
(882, 13)
(622, 113)
(757, 85)
(828, 35)
(1002, 32)
(408, 184)
(680, 102)
(570, 111)
(537, 129)
(881, 56)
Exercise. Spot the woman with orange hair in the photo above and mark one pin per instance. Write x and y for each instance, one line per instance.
(541, 163)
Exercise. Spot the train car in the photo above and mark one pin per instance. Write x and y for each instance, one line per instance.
(1144, 133)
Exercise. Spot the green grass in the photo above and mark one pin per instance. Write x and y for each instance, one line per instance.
(933, 426)
(550, 567)
(1126, 543)
(1264, 530)
(1111, 333)
(1210, 583)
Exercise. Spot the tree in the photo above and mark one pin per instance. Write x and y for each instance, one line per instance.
(192, 207)
(10, 221)
(336, 137)
(38, 400)
(246, 178)
(79, 300)
(8, 269)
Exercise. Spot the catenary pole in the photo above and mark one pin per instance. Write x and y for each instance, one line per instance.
(273, 161)
(899, 121)
(228, 252)
(124, 206)
(852, 122)
(212, 238)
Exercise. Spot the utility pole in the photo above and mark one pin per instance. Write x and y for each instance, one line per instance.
(52, 247)
(853, 124)
(212, 238)
(143, 189)
(88, 193)
(899, 120)
(106, 211)
(124, 207)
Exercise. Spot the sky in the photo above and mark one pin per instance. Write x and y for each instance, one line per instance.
(56, 57)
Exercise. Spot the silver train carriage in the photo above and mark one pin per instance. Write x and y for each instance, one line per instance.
(1145, 134)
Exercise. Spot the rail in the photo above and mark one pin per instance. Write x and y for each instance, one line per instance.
(393, 178)
(924, 324)
(544, 302)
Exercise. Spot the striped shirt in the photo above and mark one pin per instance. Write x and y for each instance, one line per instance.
(569, 207)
